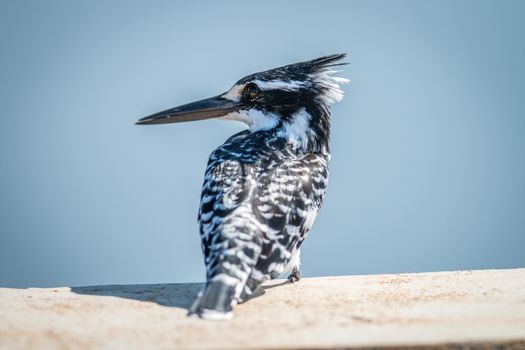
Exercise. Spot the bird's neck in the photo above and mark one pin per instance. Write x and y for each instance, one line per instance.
(305, 130)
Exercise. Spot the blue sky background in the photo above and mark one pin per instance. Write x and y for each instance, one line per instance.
(428, 150)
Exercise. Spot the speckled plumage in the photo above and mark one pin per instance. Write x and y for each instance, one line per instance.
(263, 187)
(262, 192)
(259, 200)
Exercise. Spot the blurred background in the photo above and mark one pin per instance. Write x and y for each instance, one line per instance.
(428, 148)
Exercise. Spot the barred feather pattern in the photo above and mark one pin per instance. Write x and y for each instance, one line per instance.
(260, 198)
(263, 187)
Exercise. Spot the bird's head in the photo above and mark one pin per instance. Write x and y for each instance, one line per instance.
(295, 100)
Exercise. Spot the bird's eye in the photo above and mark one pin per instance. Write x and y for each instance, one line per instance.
(252, 91)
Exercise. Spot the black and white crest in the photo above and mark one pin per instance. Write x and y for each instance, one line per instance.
(296, 96)
(263, 187)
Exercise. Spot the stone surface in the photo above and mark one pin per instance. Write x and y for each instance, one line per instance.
(464, 309)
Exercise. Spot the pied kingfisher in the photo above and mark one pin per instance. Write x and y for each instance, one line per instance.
(264, 186)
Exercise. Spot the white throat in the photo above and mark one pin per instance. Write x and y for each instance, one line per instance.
(255, 119)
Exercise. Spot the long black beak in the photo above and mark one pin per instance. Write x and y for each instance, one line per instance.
(213, 107)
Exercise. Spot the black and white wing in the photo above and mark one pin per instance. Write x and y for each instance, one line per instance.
(225, 221)
(253, 218)
(230, 236)
(287, 202)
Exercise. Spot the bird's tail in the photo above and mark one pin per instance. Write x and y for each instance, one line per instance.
(214, 301)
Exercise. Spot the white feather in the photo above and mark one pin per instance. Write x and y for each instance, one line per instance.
(254, 118)
(292, 85)
(331, 84)
(298, 129)
(234, 94)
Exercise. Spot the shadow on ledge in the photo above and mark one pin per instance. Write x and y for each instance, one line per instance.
(169, 294)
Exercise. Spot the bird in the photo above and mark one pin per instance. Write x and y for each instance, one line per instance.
(263, 188)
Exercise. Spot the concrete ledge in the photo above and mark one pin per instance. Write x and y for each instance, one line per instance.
(445, 310)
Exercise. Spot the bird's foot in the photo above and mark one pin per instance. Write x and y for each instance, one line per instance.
(294, 276)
